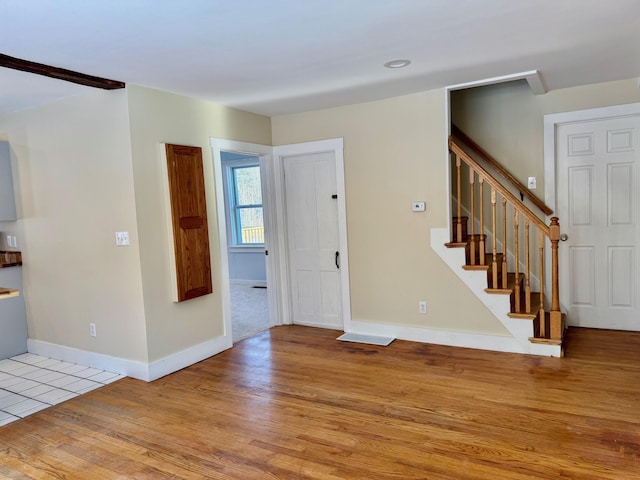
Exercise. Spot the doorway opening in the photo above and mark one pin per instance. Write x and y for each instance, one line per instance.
(245, 243)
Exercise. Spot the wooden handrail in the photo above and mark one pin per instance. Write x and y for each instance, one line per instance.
(503, 171)
(491, 180)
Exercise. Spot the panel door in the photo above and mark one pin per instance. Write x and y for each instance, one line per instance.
(598, 166)
(313, 239)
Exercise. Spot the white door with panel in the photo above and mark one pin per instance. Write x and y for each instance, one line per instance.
(313, 240)
(598, 175)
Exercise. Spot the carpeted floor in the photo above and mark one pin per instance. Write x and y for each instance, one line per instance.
(249, 311)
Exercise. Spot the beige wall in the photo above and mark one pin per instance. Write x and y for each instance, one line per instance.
(90, 165)
(395, 153)
(156, 118)
(507, 119)
(74, 189)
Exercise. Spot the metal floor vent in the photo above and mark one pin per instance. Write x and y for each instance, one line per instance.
(370, 339)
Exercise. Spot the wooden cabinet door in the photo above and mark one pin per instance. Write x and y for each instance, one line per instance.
(189, 218)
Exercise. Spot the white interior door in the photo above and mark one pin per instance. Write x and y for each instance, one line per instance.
(313, 239)
(598, 173)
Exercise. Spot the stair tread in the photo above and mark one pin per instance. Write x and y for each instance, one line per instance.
(476, 267)
(455, 244)
(535, 306)
(511, 281)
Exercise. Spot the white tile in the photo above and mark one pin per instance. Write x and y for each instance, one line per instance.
(35, 409)
(50, 363)
(89, 388)
(22, 386)
(30, 358)
(55, 396)
(63, 381)
(106, 377)
(113, 379)
(89, 372)
(8, 365)
(37, 374)
(30, 383)
(58, 367)
(7, 383)
(82, 386)
(28, 405)
(7, 418)
(37, 390)
(51, 376)
(24, 369)
(4, 393)
(9, 400)
(71, 369)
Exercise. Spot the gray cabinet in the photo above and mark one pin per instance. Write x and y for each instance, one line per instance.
(7, 199)
(13, 316)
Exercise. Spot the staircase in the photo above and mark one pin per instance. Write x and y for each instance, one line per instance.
(492, 251)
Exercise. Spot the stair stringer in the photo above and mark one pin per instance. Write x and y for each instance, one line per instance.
(499, 305)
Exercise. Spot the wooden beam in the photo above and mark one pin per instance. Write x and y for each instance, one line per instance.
(59, 73)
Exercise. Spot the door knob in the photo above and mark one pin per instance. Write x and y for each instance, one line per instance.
(564, 237)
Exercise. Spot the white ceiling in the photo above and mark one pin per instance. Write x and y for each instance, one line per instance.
(282, 56)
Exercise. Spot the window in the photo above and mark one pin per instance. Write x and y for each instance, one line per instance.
(245, 203)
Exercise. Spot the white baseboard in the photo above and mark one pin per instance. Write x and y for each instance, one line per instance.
(131, 368)
(439, 337)
(187, 357)
(123, 366)
(257, 283)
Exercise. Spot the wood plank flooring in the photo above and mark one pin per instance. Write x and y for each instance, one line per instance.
(293, 403)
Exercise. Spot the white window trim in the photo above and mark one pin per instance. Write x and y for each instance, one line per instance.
(227, 166)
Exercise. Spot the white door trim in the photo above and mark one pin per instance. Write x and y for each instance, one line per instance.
(551, 121)
(334, 145)
(265, 153)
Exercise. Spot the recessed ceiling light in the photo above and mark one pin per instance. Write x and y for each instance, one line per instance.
(399, 63)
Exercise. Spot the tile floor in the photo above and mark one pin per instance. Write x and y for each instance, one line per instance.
(30, 383)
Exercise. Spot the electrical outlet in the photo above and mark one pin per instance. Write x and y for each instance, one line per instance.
(418, 206)
(92, 329)
(422, 307)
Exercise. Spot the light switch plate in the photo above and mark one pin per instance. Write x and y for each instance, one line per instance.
(122, 239)
(531, 183)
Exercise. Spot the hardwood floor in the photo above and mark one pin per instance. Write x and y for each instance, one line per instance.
(293, 403)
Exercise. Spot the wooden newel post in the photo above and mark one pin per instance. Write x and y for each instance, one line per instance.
(556, 314)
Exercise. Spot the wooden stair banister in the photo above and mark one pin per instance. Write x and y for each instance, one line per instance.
(518, 285)
(477, 149)
(491, 180)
